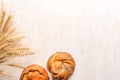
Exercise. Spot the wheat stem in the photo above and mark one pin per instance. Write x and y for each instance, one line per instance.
(16, 65)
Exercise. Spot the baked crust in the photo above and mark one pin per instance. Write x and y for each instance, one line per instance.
(61, 65)
(34, 72)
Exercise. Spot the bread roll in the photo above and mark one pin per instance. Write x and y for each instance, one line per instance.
(61, 65)
(34, 72)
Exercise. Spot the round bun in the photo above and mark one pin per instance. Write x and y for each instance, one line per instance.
(61, 65)
(34, 72)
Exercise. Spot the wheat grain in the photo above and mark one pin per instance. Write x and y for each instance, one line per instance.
(4, 73)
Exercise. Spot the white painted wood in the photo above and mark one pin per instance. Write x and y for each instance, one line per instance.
(88, 29)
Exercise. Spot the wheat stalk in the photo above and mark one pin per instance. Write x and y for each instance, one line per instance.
(8, 40)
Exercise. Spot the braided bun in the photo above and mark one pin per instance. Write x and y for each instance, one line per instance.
(61, 65)
(34, 72)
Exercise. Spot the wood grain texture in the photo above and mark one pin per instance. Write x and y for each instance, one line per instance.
(88, 29)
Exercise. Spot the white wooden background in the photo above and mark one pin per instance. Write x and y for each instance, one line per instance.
(88, 29)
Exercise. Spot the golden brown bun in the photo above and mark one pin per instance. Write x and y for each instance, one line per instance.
(61, 65)
(34, 72)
